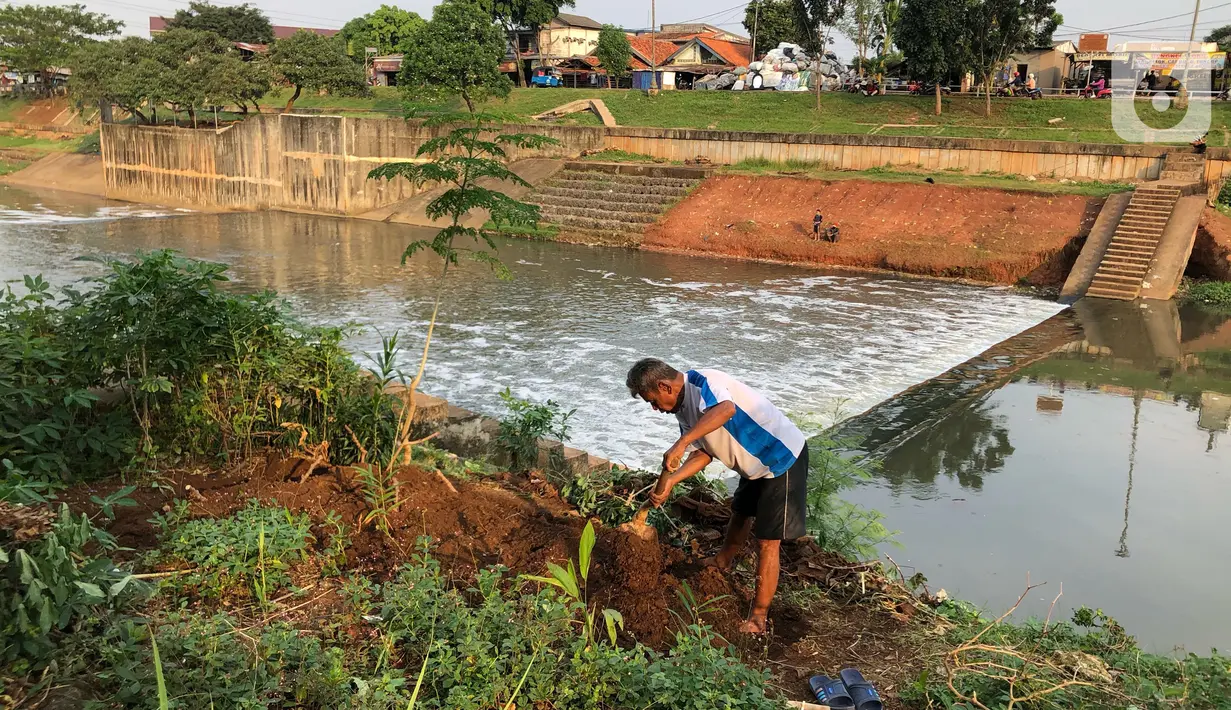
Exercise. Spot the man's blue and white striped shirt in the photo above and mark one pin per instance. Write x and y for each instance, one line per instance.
(758, 442)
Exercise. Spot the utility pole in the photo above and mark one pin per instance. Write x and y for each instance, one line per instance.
(1188, 57)
(756, 17)
(653, 48)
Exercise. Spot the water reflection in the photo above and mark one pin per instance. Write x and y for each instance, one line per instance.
(973, 443)
(1087, 451)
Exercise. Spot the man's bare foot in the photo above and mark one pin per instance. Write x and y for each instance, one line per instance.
(756, 624)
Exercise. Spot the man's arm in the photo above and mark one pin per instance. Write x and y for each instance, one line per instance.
(697, 461)
(713, 418)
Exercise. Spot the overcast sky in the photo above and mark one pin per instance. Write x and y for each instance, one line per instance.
(1126, 20)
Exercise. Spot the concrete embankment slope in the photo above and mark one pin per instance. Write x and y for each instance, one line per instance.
(71, 172)
(986, 235)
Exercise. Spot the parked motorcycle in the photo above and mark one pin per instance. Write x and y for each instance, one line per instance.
(919, 88)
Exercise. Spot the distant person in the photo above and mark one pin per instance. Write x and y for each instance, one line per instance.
(831, 233)
(816, 225)
(1199, 144)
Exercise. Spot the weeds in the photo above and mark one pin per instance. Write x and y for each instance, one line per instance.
(1215, 294)
(254, 548)
(54, 584)
(566, 580)
(526, 423)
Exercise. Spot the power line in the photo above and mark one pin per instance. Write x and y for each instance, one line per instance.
(1150, 22)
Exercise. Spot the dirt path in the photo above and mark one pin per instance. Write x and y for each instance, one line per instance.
(979, 234)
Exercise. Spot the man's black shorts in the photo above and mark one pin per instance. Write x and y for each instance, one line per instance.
(780, 505)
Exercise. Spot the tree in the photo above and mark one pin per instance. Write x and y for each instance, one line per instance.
(309, 61)
(119, 71)
(933, 37)
(891, 13)
(386, 28)
(815, 18)
(614, 53)
(237, 23)
(241, 82)
(859, 24)
(190, 60)
(457, 53)
(999, 29)
(1221, 35)
(1045, 27)
(773, 22)
(41, 39)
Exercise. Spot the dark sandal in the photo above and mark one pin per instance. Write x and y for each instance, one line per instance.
(831, 692)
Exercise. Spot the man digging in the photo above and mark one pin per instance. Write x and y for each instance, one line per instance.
(722, 418)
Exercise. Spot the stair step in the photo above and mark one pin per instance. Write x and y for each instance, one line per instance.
(1115, 295)
(603, 225)
(1123, 270)
(1126, 239)
(1137, 211)
(1130, 250)
(554, 213)
(595, 176)
(1140, 261)
(1109, 279)
(608, 203)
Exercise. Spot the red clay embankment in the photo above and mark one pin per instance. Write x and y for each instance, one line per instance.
(980, 234)
(1211, 255)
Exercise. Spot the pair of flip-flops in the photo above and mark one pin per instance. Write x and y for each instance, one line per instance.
(849, 691)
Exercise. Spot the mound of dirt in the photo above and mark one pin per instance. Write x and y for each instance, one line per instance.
(979, 234)
(1211, 257)
(520, 523)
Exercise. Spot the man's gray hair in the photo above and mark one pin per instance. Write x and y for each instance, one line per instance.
(648, 372)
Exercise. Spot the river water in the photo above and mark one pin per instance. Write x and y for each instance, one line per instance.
(992, 471)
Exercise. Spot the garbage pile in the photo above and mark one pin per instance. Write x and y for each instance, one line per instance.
(787, 67)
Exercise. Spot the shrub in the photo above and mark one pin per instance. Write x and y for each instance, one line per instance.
(1211, 293)
(255, 547)
(196, 370)
(53, 583)
(839, 526)
(525, 424)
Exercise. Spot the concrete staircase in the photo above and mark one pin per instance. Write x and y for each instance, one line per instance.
(613, 202)
(1128, 256)
(1183, 168)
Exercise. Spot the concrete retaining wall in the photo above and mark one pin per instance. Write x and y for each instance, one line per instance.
(316, 163)
(860, 152)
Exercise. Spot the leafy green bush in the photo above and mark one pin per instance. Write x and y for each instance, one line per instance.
(255, 547)
(1211, 293)
(55, 584)
(51, 427)
(195, 370)
(525, 424)
(1224, 193)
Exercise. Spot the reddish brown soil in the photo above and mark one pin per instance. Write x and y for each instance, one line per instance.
(1211, 257)
(523, 524)
(980, 234)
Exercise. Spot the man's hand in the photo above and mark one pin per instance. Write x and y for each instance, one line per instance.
(662, 491)
(697, 460)
(674, 457)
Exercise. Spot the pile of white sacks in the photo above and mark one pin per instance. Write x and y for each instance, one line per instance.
(784, 68)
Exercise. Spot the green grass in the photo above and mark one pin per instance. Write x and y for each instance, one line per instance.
(12, 166)
(615, 155)
(999, 181)
(45, 145)
(1085, 121)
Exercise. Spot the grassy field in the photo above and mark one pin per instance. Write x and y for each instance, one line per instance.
(1084, 121)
